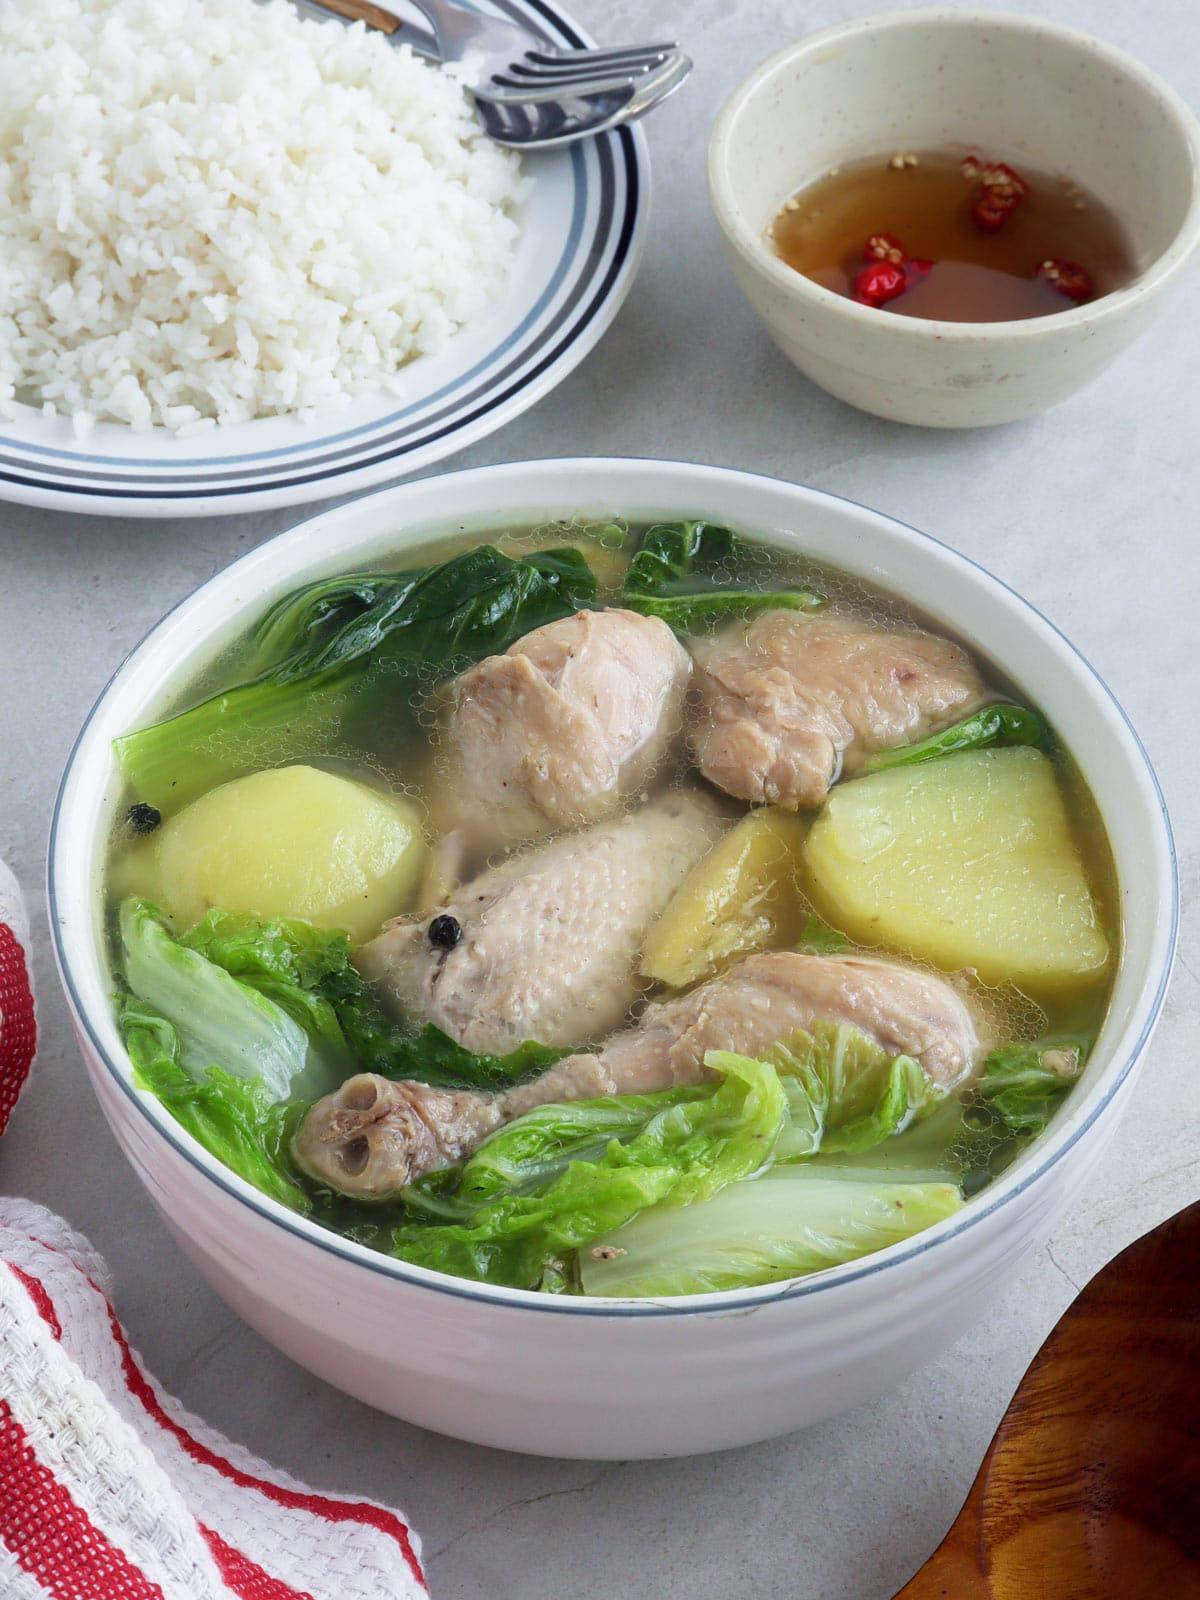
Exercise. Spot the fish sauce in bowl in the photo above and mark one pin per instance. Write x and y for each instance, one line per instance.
(954, 237)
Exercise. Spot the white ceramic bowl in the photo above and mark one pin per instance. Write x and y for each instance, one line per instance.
(1017, 87)
(593, 1378)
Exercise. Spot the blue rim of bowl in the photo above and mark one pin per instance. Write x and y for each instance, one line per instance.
(604, 254)
(531, 1300)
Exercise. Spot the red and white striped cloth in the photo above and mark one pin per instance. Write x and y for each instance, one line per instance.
(109, 1489)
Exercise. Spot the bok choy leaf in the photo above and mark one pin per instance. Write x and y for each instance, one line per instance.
(694, 573)
(993, 725)
(431, 1056)
(319, 646)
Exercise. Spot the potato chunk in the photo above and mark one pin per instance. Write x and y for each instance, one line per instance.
(292, 841)
(741, 897)
(966, 861)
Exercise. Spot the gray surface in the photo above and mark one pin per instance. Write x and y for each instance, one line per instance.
(1089, 511)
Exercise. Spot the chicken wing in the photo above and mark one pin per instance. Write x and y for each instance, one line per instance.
(545, 946)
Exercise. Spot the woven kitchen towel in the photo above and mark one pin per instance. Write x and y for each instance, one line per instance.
(18, 1026)
(109, 1490)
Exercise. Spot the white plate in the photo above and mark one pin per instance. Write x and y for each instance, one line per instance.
(582, 235)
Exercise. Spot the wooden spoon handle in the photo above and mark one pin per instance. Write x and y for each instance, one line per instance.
(362, 11)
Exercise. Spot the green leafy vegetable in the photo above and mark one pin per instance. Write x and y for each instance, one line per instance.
(221, 1021)
(694, 573)
(529, 1153)
(318, 647)
(926, 1151)
(994, 725)
(819, 939)
(1025, 1083)
(536, 1190)
(237, 1023)
(235, 1119)
(431, 1056)
(246, 1017)
(685, 1153)
(304, 970)
(844, 1092)
(791, 1221)
(1021, 1088)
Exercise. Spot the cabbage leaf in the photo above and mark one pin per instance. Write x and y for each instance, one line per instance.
(685, 1152)
(526, 1155)
(1025, 1083)
(845, 1093)
(791, 1221)
(219, 1020)
(236, 1119)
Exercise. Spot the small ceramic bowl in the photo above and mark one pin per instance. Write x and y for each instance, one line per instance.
(1022, 89)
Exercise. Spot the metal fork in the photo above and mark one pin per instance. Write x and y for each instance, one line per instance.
(530, 93)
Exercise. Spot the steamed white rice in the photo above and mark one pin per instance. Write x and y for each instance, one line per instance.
(213, 210)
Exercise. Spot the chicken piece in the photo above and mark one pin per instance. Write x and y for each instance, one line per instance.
(792, 699)
(546, 945)
(373, 1136)
(765, 998)
(573, 718)
(445, 870)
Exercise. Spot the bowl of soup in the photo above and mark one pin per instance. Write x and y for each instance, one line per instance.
(573, 938)
(1032, 193)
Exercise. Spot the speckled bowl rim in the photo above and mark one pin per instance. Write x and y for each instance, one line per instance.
(749, 243)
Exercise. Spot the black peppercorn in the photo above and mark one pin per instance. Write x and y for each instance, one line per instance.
(143, 818)
(445, 932)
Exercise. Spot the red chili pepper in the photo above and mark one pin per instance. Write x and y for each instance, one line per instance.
(884, 247)
(917, 268)
(880, 282)
(991, 210)
(1000, 191)
(1067, 278)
